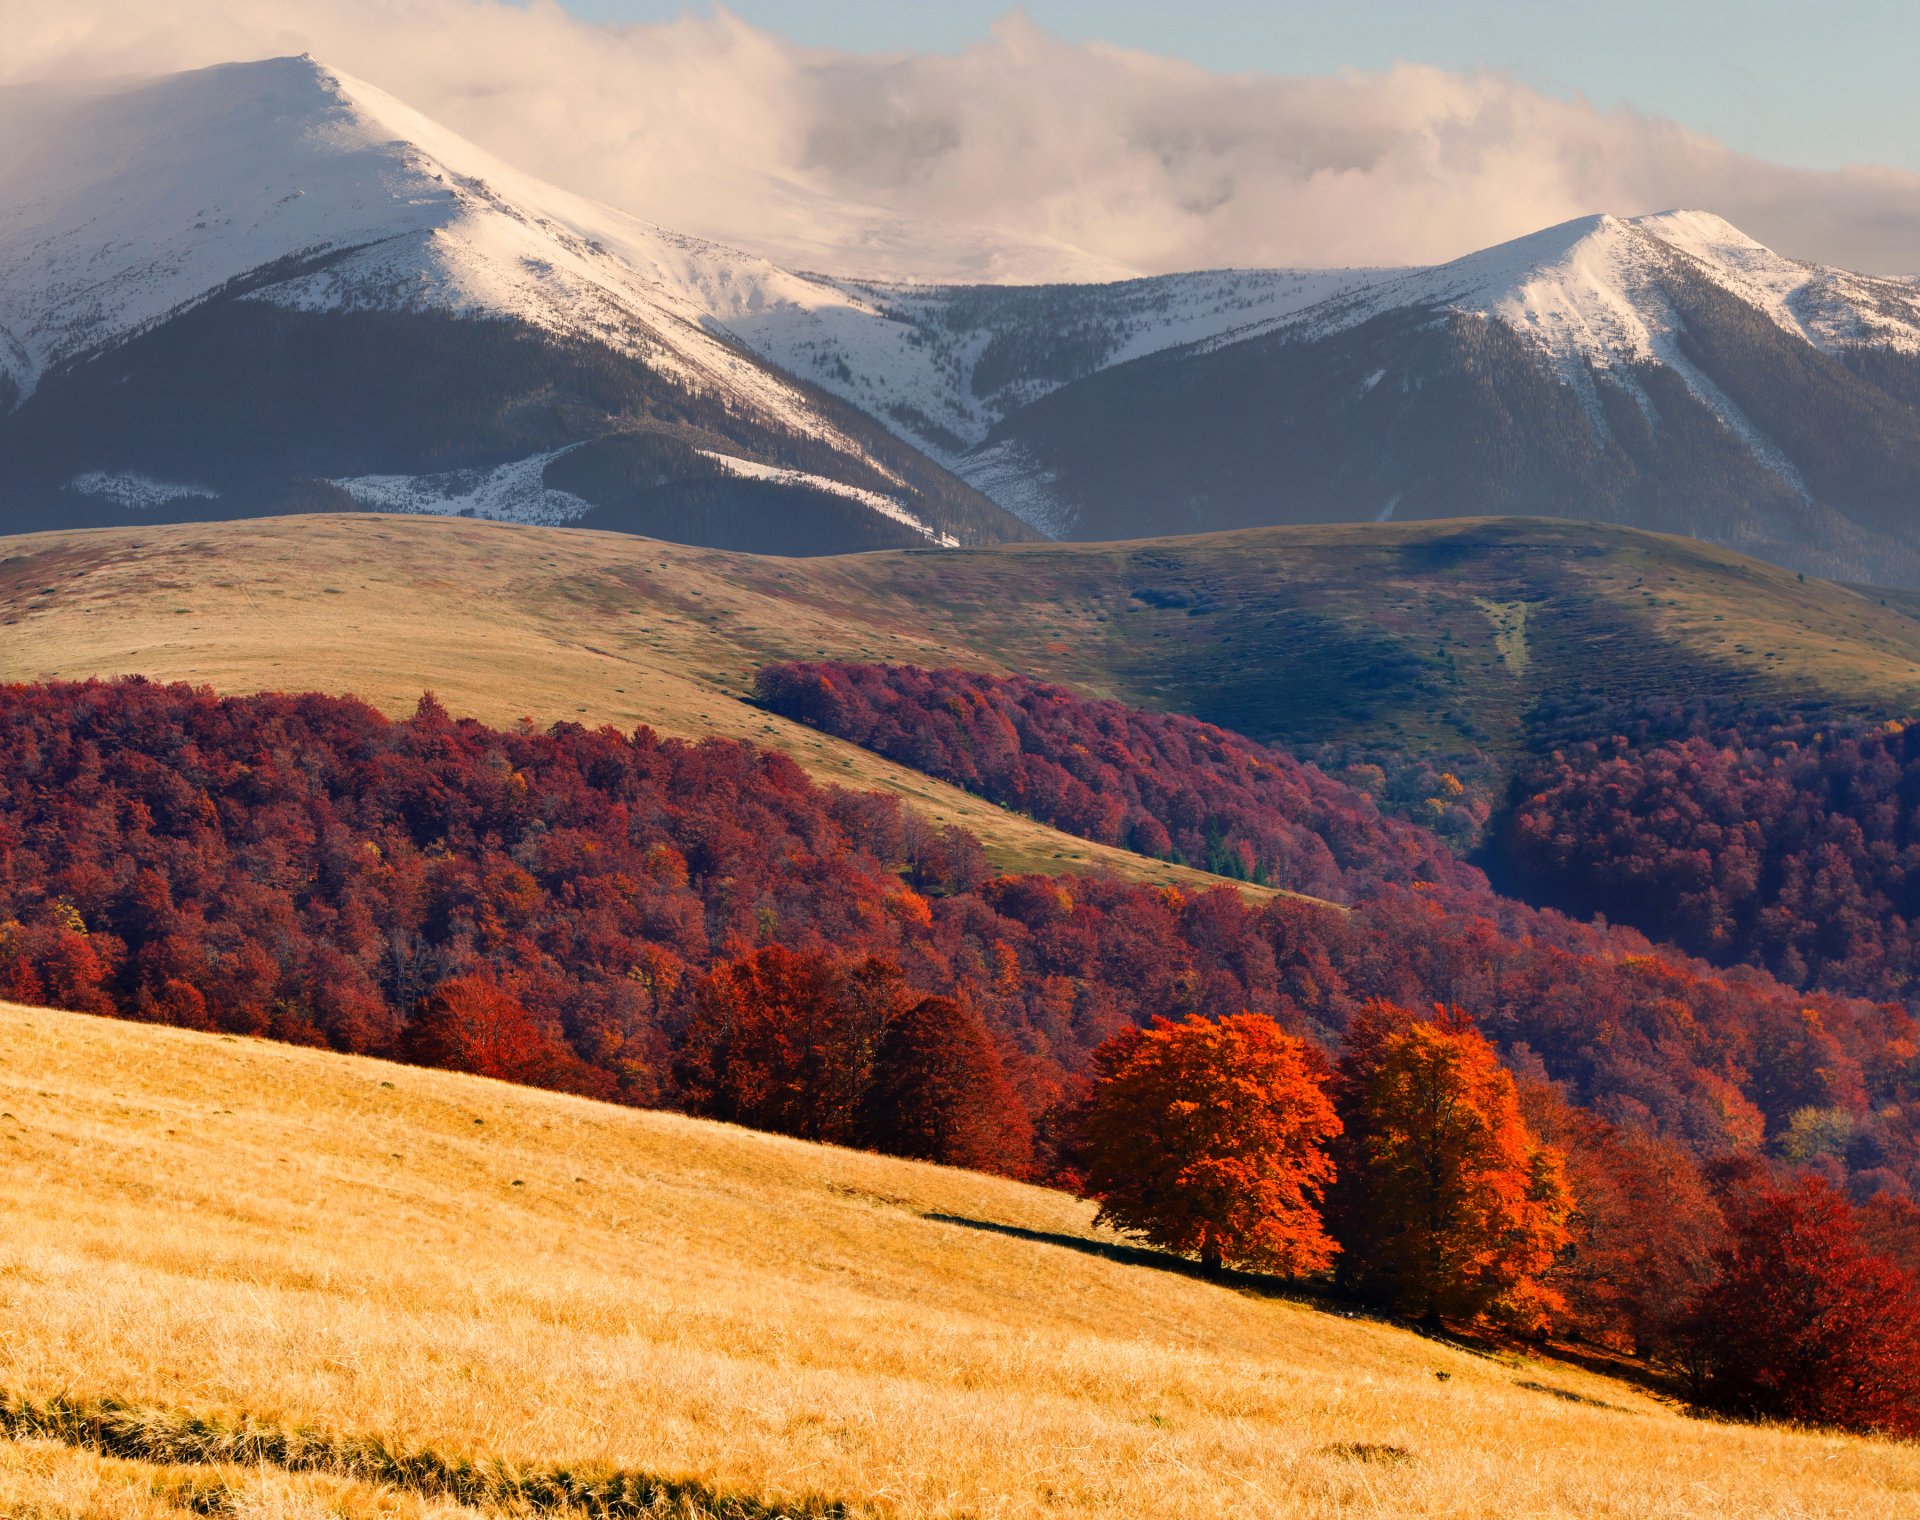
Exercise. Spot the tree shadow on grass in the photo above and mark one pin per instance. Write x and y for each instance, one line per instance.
(1258, 1284)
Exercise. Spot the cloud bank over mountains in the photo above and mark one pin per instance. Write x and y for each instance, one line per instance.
(1025, 156)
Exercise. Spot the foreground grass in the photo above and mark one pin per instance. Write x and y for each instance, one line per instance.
(289, 1252)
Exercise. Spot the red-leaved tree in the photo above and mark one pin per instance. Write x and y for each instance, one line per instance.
(940, 1093)
(1642, 1231)
(472, 1023)
(1802, 1322)
(785, 1040)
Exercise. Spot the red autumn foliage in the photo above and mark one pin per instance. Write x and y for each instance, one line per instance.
(1776, 845)
(471, 1023)
(1447, 1206)
(1210, 1138)
(1162, 784)
(940, 1092)
(785, 1040)
(1890, 1227)
(1802, 1322)
(1642, 1230)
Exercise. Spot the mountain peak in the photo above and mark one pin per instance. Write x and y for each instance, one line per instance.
(129, 204)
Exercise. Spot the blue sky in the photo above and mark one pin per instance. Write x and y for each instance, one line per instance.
(1816, 86)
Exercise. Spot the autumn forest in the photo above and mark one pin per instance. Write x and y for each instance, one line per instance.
(1445, 1104)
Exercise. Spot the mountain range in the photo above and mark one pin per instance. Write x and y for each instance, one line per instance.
(268, 286)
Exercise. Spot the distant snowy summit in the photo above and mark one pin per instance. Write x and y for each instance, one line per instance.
(270, 287)
(1664, 371)
(284, 244)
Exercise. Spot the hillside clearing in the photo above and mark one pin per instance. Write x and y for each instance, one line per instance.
(244, 1231)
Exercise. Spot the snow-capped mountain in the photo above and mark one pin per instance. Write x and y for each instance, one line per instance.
(203, 215)
(1593, 290)
(1667, 371)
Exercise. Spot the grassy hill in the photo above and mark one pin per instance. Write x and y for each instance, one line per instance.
(1305, 633)
(501, 622)
(396, 1292)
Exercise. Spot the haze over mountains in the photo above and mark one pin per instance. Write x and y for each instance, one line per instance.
(266, 287)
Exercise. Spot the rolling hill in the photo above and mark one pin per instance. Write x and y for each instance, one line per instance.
(379, 1290)
(1432, 638)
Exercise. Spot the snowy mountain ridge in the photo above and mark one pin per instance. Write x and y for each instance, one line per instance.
(128, 205)
(300, 165)
(1639, 360)
(102, 235)
(1590, 290)
(1589, 295)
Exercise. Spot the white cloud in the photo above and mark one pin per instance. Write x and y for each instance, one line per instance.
(834, 160)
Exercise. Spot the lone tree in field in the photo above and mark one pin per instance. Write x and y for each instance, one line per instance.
(1447, 1206)
(940, 1093)
(1210, 1138)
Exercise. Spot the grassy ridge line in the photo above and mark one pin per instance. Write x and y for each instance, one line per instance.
(148, 1433)
(1375, 631)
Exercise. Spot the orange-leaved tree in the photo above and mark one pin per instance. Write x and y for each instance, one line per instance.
(1210, 1138)
(1642, 1231)
(1447, 1206)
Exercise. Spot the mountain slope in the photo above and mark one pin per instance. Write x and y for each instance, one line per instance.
(1666, 372)
(942, 364)
(206, 1226)
(1429, 638)
(270, 283)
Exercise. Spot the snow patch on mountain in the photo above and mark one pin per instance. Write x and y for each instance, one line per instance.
(136, 492)
(515, 493)
(1006, 473)
(942, 364)
(886, 506)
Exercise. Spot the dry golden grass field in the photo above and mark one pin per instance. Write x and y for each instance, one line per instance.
(357, 1277)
